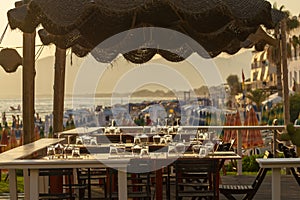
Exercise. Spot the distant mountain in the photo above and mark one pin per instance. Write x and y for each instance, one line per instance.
(227, 65)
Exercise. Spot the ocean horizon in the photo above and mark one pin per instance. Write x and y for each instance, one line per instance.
(44, 105)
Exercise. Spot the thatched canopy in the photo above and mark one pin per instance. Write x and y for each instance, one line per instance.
(217, 25)
(10, 59)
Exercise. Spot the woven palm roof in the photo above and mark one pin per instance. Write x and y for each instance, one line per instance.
(10, 60)
(217, 25)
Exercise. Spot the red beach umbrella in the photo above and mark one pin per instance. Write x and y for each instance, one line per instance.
(36, 133)
(253, 137)
(21, 138)
(237, 122)
(227, 133)
(4, 139)
(13, 139)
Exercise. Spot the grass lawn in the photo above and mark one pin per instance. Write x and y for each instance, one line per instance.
(4, 185)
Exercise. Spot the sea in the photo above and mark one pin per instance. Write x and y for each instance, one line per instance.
(44, 106)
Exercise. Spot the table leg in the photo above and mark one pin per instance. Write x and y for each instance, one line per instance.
(122, 181)
(26, 184)
(13, 184)
(159, 184)
(34, 184)
(276, 190)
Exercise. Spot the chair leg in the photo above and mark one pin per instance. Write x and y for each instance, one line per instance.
(229, 196)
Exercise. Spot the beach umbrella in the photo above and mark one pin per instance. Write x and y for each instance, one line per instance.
(253, 137)
(237, 122)
(13, 139)
(272, 116)
(21, 137)
(4, 139)
(279, 114)
(227, 133)
(297, 121)
(213, 120)
(276, 113)
(37, 133)
(264, 116)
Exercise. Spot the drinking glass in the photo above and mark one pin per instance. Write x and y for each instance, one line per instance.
(50, 151)
(76, 152)
(203, 152)
(180, 148)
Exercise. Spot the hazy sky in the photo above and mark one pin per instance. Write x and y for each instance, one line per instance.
(111, 78)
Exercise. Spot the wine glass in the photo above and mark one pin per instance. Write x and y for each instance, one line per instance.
(203, 152)
(50, 151)
(76, 152)
(180, 148)
(59, 150)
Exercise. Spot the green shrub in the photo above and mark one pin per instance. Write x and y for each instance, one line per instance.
(248, 162)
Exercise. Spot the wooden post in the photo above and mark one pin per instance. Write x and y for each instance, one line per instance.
(285, 73)
(278, 61)
(239, 152)
(28, 86)
(59, 90)
(56, 182)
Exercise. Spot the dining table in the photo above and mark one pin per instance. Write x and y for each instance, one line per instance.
(162, 160)
(32, 158)
(31, 150)
(276, 164)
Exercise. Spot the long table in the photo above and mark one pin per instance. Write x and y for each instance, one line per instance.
(34, 165)
(276, 164)
(18, 159)
(164, 160)
(24, 151)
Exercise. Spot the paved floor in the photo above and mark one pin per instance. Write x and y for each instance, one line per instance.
(289, 187)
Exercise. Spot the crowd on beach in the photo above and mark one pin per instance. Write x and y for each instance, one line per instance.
(166, 113)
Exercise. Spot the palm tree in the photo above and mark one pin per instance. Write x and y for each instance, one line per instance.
(257, 96)
(295, 43)
(276, 55)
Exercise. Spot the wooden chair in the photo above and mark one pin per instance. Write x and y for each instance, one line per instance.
(291, 153)
(68, 194)
(138, 180)
(93, 178)
(228, 190)
(226, 147)
(196, 179)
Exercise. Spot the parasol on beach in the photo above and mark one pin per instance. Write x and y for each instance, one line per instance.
(279, 114)
(276, 113)
(227, 133)
(4, 139)
(237, 122)
(13, 139)
(21, 137)
(36, 132)
(264, 116)
(252, 138)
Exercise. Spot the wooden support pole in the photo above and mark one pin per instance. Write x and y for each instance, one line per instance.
(285, 71)
(28, 86)
(59, 90)
(56, 182)
(278, 61)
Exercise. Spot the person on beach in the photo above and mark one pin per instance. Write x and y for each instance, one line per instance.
(18, 122)
(14, 122)
(3, 118)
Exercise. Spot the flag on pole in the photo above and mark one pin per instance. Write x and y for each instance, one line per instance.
(243, 80)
